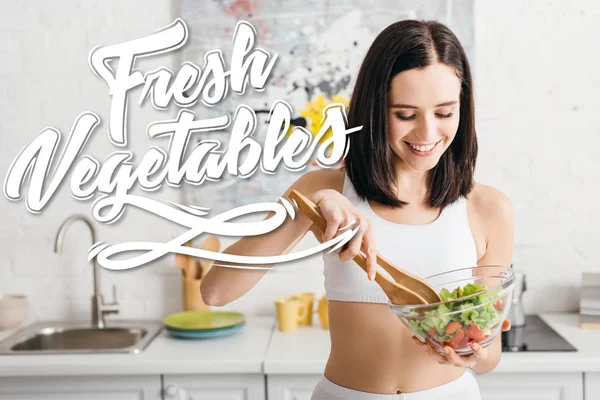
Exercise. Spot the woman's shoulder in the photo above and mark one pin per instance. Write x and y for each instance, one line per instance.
(490, 204)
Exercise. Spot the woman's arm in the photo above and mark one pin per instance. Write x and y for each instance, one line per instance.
(496, 214)
(222, 285)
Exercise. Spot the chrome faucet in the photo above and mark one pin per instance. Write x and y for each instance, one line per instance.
(99, 308)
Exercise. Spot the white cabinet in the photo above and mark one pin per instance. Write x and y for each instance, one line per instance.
(291, 387)
(494, 386)
(532, 386)
(81, 387)
(152, 387)
(214, 387)
(592, 385)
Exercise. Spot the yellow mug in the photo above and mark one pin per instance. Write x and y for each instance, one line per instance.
(323, 311)
(290, 311)
(308, 299)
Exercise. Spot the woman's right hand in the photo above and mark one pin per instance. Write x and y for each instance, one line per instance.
(340, 215)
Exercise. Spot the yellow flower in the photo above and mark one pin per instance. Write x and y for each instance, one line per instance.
(313, 113)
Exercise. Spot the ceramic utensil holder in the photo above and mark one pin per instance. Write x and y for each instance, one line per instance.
(14, 310)
(192, 298)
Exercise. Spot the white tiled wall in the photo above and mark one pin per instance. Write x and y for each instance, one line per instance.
(537, 86)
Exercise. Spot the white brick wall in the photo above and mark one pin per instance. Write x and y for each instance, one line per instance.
(537, 88)
(536, 91)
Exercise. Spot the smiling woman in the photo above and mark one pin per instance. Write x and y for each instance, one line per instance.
(421, 133)
(429, 109)
(408, 183)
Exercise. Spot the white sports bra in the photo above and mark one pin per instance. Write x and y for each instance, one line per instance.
(423, 250)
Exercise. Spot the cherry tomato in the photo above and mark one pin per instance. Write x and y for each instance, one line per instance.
(453, 327)
(463, 343)
(474, 332)
(457, 339)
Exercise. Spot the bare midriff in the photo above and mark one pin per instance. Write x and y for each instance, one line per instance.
(372, 351)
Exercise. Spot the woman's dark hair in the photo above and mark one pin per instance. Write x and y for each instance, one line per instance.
(369, 164)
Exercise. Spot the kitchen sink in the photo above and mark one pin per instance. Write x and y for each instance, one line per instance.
(79, 338)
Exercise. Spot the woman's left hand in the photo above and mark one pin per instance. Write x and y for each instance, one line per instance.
(451, 358)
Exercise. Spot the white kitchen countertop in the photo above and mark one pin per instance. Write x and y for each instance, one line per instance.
(305, 351)
(261, 348)
(243, 352)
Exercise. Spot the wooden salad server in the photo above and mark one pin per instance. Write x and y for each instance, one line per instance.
(404, 289)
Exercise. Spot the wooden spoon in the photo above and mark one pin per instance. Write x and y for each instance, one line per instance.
(182, 261)
(187, 264)
(405, 289)
(192, 268)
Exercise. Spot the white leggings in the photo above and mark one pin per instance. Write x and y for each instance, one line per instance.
(464, 387)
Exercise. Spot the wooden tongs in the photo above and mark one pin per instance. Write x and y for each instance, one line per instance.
(405, 289)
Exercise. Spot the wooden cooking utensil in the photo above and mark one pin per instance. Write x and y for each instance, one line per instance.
(213, 244)
(197, 269)
(192, 270)
(405, 289)
(182, 261)
(187, 264)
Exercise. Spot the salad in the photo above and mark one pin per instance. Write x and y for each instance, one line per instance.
(459, 322)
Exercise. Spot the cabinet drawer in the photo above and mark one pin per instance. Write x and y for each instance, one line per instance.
(525, 386)
(291, 387)
(81, 387)
(214, 387)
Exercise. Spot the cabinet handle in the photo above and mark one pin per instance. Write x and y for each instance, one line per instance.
(171, 391)
(176, 392)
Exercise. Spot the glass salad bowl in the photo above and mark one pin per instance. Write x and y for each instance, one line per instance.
(474, 303)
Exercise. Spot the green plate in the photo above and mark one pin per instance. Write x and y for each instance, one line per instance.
(201, 320)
